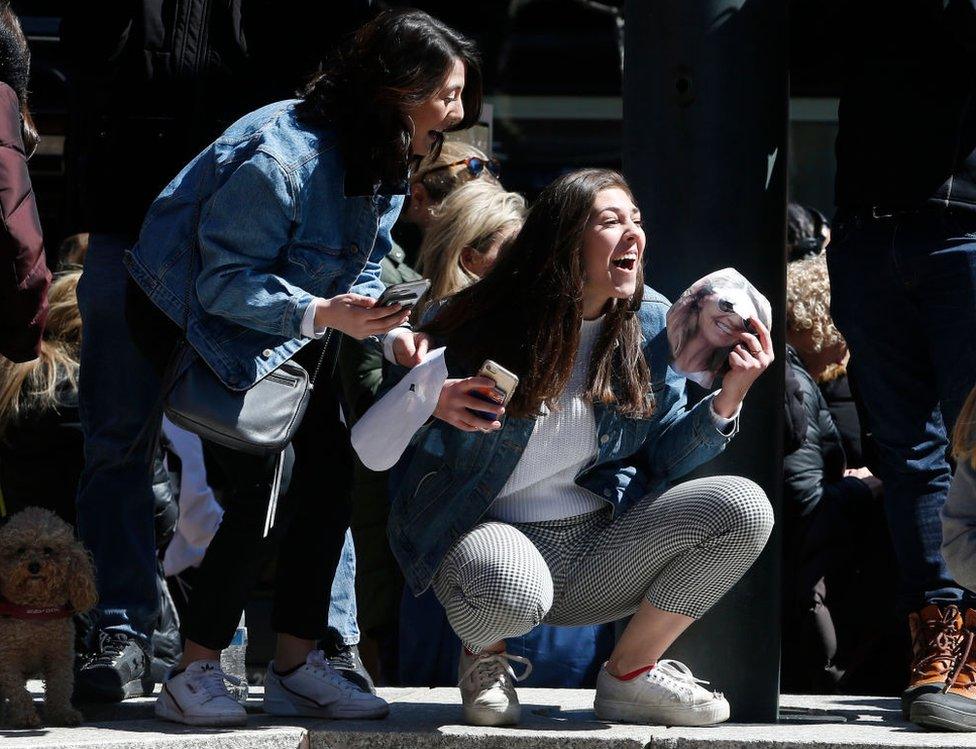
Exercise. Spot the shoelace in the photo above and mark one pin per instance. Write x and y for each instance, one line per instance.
(963, 663)
(946, 641)
(210, 680)
(110, 647)
(679, 673)
(344, 658)
(320, 666)
(491, 669)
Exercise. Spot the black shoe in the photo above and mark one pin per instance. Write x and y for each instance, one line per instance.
(117, 668)
(348, 663)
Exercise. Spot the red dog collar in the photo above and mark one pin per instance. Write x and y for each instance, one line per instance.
(34, 613)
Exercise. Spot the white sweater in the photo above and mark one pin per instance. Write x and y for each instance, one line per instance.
(563, 442)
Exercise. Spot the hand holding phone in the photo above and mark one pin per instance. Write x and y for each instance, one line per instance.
(504, 384)
(459, 404)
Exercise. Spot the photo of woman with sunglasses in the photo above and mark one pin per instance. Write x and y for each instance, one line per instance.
(714, 323)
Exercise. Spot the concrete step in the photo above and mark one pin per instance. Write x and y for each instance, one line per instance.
(552, 718)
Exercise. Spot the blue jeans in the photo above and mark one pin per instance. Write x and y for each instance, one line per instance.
(342, 604)
(118, 396)
(904, 296)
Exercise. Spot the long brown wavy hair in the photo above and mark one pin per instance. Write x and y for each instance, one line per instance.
(33, 387)
(527, 311)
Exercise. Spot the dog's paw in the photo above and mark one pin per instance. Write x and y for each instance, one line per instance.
(66, 716)
(23, 718)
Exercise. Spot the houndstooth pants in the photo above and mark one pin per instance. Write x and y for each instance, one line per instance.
(681, 550)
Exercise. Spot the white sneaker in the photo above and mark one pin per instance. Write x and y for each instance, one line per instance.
(317, 690)
(487, 684)
(198, 697)
(667, 695)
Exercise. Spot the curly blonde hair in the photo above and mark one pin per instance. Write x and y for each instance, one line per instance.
(808, 301)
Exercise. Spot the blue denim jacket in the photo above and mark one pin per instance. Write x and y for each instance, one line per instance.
(447, 479)
(263, 216)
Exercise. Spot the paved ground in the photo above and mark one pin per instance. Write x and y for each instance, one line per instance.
(560, 719)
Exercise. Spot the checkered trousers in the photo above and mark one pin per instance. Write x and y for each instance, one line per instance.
(681, 550)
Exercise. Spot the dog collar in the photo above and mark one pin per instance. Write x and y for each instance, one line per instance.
(10, 610)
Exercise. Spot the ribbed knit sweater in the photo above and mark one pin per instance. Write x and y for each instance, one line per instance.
(563, 442)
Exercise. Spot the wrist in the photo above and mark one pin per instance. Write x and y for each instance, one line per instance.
(726, 403)
(323, 313)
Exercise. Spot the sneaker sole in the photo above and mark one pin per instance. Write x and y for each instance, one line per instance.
(131, 690)
(286, 708)
(483, 716)
(166, 710)
(630, 712)
(942, 717)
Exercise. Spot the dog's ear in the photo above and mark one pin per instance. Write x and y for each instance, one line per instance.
(80, 579)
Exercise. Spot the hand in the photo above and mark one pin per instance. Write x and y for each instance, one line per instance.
(409, 347)
(869, 479)
(358, 316)
(749, 359)
(455, 400)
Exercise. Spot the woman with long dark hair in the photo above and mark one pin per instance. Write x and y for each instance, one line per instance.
(269, 237)
(565, 510)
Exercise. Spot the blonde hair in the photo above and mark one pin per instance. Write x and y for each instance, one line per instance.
(34, 385)
(440, 182)
(964, 435)
(808, 301)
(471, 216)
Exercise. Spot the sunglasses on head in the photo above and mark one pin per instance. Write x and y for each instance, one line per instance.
(474, 164)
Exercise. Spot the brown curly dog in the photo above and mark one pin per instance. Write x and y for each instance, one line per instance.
(45, 576)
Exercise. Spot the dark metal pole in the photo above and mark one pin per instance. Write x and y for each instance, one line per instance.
(706, 103)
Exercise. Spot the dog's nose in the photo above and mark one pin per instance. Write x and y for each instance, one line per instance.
(33, 568)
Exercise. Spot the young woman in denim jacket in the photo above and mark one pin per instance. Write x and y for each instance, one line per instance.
(280, 226)
(565, 510)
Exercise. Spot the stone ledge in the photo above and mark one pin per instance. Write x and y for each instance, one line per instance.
(556, 718)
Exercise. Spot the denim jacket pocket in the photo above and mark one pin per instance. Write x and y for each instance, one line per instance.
(314, 260)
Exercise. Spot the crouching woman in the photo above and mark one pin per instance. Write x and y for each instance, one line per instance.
(562, 508)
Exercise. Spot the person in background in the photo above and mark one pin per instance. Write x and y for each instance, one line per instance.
(151, 83)
(902, 261)
(949, 709)
(24, 274)
(835, 529)
(807, 232)
(469, 230)
(435, 178)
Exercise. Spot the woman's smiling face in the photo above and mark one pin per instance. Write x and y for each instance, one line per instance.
(440, 113)
(613, 246)
(719, 327)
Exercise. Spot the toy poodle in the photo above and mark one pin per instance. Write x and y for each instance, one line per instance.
(46, 575)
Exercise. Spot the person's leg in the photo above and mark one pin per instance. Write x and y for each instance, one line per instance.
(118, 395)
(669, 558)
(300, 681)
(874, 305)
(342, 602)
(493, 584)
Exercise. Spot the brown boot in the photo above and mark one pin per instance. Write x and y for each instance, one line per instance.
(936, 637)
(954, 707)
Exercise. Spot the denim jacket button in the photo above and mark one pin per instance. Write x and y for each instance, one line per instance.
(608, 493)
(354, 248)
(604, 439)
(267, 353)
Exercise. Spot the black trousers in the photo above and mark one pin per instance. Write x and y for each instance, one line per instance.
(312, 516)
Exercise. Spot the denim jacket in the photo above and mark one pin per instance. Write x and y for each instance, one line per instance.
(261, 224)
(448, 479)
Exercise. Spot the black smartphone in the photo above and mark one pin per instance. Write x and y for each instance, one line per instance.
(406, 294)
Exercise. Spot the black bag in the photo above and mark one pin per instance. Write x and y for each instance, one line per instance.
(260, 420)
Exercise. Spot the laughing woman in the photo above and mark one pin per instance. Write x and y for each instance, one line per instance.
(565, 510)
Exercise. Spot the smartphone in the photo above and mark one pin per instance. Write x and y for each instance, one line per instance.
(407, 294)
(505, 384)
